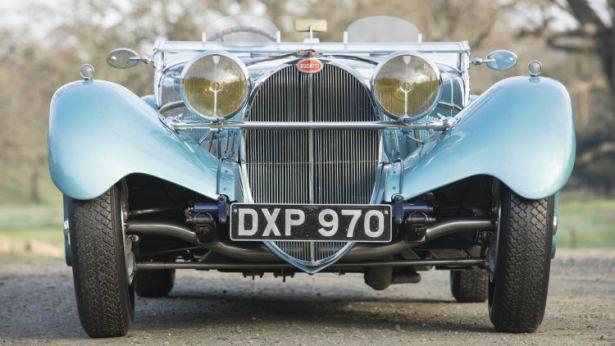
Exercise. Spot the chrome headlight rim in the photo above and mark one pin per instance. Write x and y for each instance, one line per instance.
(390, 115)
(243, 69)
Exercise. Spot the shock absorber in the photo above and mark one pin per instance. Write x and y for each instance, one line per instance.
(412, 217)
(415, 225)
(204, 224)
(206, 216)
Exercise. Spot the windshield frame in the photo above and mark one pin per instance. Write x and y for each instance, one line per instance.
(405, 31)
(242, 30)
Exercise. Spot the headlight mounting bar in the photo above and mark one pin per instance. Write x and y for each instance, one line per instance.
(440, 125)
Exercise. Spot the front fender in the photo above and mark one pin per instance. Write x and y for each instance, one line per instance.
(100, 132)
(519, 131)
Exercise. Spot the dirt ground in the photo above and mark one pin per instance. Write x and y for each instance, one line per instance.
(37, 306)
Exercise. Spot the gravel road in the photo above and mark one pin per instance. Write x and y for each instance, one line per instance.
(37, 306)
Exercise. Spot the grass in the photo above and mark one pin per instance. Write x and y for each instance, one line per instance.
(23, 224)
(584, 221)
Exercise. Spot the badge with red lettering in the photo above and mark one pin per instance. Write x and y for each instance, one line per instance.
(310, 65)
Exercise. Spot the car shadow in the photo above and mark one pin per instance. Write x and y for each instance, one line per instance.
(343, 311)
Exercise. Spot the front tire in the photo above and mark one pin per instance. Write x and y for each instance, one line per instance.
(105, 295)
(519, 282)
(154, 283)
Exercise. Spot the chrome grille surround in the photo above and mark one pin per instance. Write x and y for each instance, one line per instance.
(320, 166)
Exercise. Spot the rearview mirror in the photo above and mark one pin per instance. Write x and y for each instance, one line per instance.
(123, 58)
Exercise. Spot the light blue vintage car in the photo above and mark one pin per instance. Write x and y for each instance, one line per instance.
(255, 155)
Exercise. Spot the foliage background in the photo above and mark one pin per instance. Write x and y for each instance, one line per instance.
(43, 43)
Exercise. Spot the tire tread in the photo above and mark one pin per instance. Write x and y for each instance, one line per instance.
(154, 283)
(469, 286)
(105, 308)
(524, 260)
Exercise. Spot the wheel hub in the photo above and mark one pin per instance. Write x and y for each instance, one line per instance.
(129, 256)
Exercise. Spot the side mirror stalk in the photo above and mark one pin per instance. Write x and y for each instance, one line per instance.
(124, 58)
(142, 59)
(480, 61)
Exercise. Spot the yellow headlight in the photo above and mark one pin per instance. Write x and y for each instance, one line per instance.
(406, 86)
(215, 86)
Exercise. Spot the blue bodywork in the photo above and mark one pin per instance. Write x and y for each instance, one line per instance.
(100, 132)
(520, 131)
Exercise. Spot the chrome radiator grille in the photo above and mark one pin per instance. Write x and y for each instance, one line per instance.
(312, 166)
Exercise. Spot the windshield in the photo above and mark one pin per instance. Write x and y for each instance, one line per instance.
(382, 29)
(237, 30)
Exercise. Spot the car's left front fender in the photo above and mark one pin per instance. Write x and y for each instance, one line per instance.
(520, 131)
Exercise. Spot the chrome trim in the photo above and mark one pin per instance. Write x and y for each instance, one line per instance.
(378, 48)
(311, 174)
(436, 125)
(66, 228)
(243, 173)
(234, 58)
(298, 106)
(170, 106)
(332, 59)
(166, 68)
(259, 81)
(429, 62)
(364, 81)
(370, 51)
(130, 259)
(351, 57)
(450, 106)
(255, 84)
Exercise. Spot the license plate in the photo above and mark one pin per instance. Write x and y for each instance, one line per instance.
(314, 222)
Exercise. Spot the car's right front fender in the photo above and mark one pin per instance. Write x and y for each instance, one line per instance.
(100, 132)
